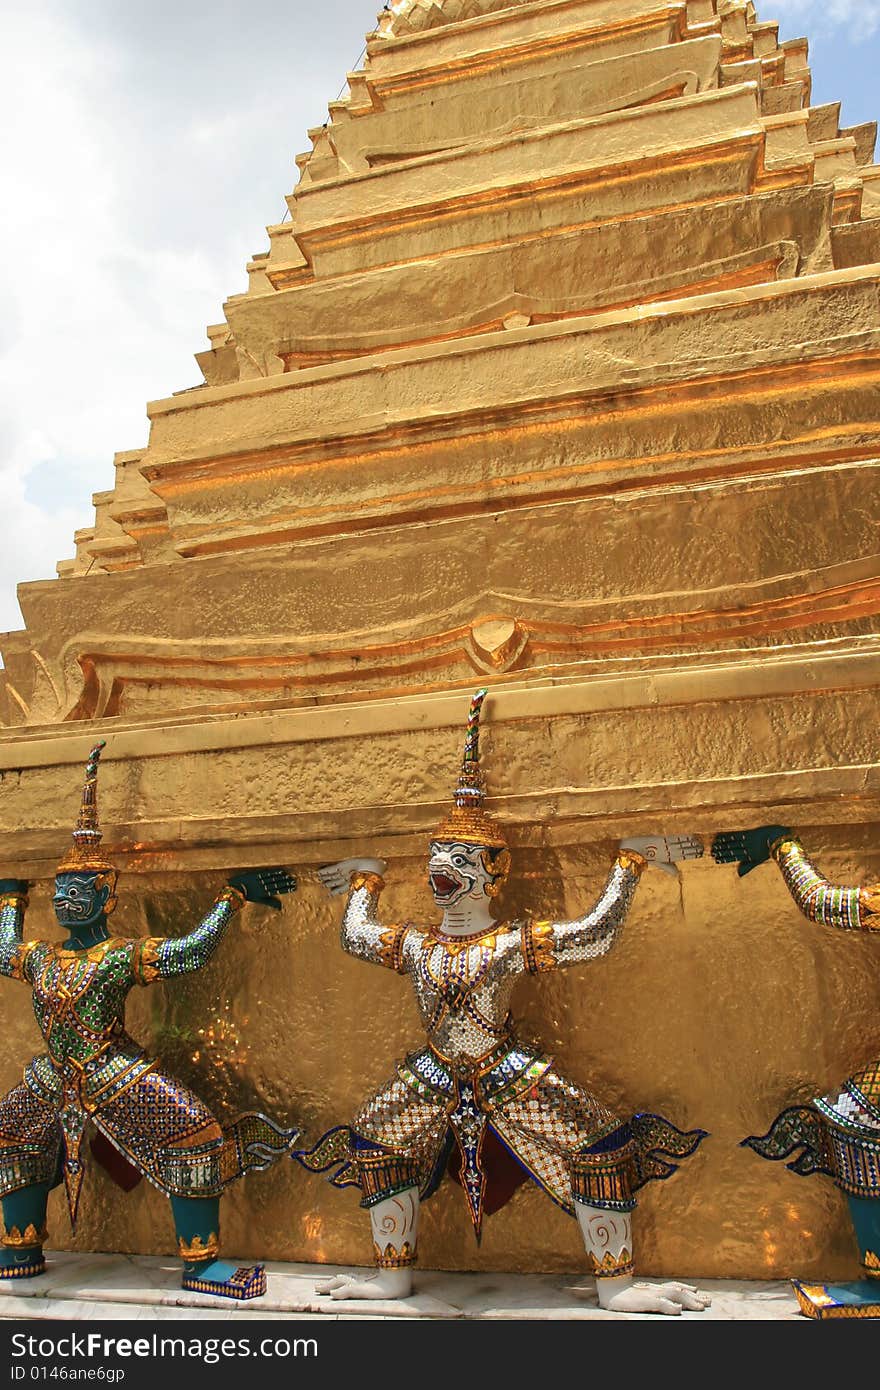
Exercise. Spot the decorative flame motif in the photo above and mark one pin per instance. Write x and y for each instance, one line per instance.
(467, 822)
(472, 737)
(85, 856)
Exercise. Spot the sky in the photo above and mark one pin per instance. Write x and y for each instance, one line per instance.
(145, 148)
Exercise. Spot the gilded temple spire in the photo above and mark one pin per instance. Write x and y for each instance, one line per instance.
(560, 375)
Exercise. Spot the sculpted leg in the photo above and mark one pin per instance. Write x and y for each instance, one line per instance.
(30, 1144)
(24, 1217)
(854, 1298)
(602, 1177)
(865, 1213)
(394, 1224)
(197, 1223)
(837, 1134)
(170, 1135)
(388, 1141)
(608, 1240)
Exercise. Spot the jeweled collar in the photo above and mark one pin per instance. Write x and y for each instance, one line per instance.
(66, 954)
(459, 943)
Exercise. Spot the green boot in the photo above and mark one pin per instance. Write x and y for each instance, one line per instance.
(24, 1216)
(861, 1297)
(197, 1222)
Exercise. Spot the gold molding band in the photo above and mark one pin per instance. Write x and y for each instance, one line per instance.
(390, 1258)
(234, 896)
(19, 900)
(603, 1178)
(198, 1249)
(374, 883)
(539, 946)
(28, 1239)
(611, 1266)
(384, 1175)
(869, 901)
(145, 961)
(26, 1270)
(782, 846)
(631, 859)
(390, 948)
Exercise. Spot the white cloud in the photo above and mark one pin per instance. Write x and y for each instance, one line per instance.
(860, 18)
(143, 154)
(87, 311)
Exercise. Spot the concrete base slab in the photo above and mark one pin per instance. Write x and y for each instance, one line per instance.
(135, 1287)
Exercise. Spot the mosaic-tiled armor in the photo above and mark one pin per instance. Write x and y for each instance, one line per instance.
(94, 1074)
(837, 1134)
(474, 1099)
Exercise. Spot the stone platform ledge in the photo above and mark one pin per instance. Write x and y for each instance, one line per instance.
(146, 1288)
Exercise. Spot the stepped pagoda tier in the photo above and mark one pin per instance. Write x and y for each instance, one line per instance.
(561, 377)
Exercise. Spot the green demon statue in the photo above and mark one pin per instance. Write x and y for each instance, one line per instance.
(838, 1134)
(94, 1073)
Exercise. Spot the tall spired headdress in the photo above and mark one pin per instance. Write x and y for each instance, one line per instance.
(467, 822)
(85, 855)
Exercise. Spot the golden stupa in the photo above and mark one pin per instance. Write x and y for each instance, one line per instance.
(562, 377)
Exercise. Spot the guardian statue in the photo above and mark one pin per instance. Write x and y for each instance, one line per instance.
(94, 1074)
(836, 1134)
(474, 1099)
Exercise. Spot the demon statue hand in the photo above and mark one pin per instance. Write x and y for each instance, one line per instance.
(147, 1123)
(476, 1100)
(838, 1134)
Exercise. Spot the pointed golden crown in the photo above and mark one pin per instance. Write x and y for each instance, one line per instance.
(467, 822)
(85, 855)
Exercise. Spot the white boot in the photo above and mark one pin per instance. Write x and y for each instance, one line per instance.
(395, 1224)
(609, 1244)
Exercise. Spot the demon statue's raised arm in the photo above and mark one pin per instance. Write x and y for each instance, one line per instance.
(94, 1073)
(838, 1134)
(474, 1098)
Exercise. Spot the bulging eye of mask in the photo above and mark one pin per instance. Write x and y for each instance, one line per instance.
(457, 871)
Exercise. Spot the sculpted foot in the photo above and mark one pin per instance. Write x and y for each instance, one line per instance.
(394, 1223)
(224, 1280)
(691, 1299)
(21, 1264)
(620, 1296)
(384, 1284)
(334, 1281)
